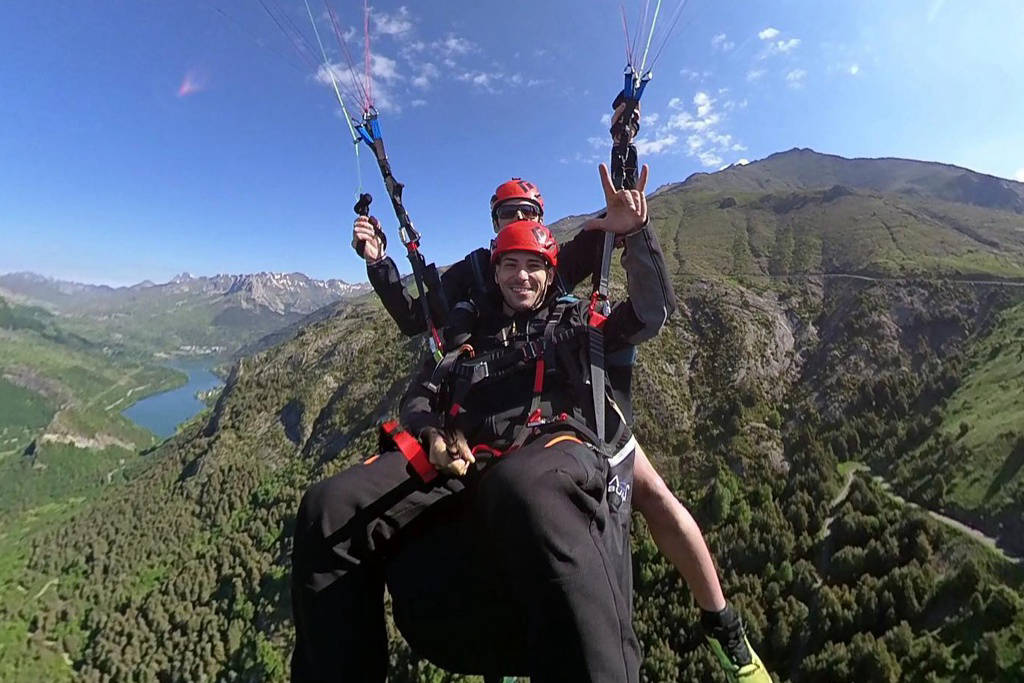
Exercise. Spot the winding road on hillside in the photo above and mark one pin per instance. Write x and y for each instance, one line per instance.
(976, 534)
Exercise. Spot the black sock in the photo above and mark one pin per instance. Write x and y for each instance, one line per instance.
(726, 627)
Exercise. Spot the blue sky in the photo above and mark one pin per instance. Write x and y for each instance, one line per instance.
(142, 139)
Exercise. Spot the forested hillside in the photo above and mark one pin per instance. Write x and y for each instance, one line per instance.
(822, 329)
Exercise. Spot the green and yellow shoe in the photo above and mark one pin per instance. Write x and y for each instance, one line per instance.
(727, 640)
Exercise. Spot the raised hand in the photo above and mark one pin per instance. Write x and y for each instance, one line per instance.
(625, 210)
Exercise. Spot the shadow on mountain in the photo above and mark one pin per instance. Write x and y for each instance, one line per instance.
(1011, 466)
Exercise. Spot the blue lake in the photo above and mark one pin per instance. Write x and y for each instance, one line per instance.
(162, 413)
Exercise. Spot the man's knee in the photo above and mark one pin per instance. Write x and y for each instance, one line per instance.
(541, 495)
(331, 502)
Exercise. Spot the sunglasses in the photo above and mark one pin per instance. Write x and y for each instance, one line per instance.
(510, 211)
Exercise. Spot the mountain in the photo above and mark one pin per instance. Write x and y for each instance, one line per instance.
(218, 313)
(804, 169)
(820, 331)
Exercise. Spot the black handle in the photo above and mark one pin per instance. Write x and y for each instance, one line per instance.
(362, 208)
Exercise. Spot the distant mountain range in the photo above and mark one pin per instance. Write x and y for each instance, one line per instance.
(279, 292)
(219, 313)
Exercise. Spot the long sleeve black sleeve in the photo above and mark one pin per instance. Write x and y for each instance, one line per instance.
(651, 297)
(417, 409)
(457, 282)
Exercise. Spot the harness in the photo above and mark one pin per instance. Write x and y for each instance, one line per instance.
(464, 369)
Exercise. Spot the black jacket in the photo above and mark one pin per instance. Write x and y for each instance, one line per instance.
(495, 408)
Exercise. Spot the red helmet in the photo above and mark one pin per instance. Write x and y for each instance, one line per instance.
(525, 236)
(520, 189)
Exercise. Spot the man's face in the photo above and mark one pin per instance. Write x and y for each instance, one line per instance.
(515, 210)
(523, 278)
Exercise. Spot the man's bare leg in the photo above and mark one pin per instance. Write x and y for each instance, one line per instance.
(678, 537)
(676, 534)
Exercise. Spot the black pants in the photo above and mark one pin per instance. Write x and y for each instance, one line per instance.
(522, 569)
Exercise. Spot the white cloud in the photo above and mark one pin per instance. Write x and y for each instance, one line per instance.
(768, 33)
(854, 69)
(690, 73)
(675, 103)
(703, 102)
(428, 72)
(706, 116)
(704, 141)
(385, 75)
(384, 68)
(742, 162)
(657, 146)
(719, 42)
(795, 78)
(651, 119)
(393, 24)
(455, 45)
(787, 45)
(418, 103)
(754, 74)
(606, 120)
(709, 159)
(720, 139)
(1019, 175)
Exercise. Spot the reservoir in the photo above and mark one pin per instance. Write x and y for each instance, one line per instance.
(162, 413)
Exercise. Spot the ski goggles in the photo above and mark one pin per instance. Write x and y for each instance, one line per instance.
(523, 211)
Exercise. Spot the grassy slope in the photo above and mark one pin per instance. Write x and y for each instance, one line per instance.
(989, 474)
(806, 232)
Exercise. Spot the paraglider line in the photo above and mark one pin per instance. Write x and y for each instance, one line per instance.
(341, 101)
(654, 22)
(671, 28)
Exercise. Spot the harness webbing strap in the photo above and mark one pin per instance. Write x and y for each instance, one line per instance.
(411, 449)
(533, 413)
(597, 390)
